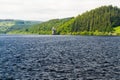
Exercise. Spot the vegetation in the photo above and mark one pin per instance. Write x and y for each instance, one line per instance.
(117, 30)
(101, 19)
(45, 27)
(9, 25)
(65, 28)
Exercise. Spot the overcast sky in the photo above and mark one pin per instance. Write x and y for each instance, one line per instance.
(48, 9)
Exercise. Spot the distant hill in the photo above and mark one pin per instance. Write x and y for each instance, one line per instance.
(7, 25)
(45, 27)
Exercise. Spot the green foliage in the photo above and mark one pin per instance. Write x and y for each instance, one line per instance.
(46, 27)
(96, 33)
(66, 28)
(102, 19)
(99, 21)
(18, 32)
(117, 30)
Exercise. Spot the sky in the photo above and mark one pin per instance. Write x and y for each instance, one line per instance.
(43, 10)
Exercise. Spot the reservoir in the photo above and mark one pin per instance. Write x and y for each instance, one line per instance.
(53, 57)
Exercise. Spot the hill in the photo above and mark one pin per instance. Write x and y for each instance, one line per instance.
(43, 28)
(8, 25)
(99, 21)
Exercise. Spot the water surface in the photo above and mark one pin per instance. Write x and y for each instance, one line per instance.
(32, 57)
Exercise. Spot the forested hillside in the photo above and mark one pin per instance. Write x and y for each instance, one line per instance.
(99, 21)
(45, 27)
(104, 20)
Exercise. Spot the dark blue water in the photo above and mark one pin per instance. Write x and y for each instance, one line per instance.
(34, 57)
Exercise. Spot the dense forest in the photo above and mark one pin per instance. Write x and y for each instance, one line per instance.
(104, 20)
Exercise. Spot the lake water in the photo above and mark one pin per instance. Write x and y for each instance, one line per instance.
(34, 57)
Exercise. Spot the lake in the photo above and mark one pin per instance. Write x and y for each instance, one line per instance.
(35, 57)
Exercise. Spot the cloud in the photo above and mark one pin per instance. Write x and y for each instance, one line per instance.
(48, 9)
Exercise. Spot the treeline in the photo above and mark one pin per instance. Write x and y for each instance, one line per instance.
(102, 19)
